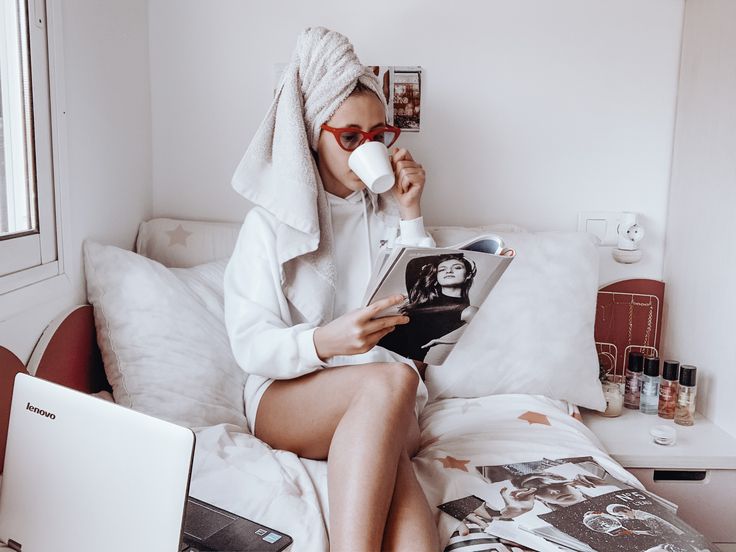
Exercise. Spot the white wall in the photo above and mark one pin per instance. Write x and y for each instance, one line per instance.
(532, 110)
(109, 144)
(700, 260)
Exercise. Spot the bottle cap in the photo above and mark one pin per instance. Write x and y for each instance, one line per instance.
(670, 370)
(663, 435)
(651, 366)
(687, 375)
(636, 361)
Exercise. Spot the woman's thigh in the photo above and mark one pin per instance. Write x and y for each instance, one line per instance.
(301, 414)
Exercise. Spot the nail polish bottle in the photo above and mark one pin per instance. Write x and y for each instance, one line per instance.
(685, 408)
(633, 380)
(649, 399)
(668, 389)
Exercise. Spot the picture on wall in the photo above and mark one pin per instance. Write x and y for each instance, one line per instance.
(407, 89)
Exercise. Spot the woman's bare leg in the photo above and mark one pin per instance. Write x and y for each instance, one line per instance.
(358, 417)
(410, 524)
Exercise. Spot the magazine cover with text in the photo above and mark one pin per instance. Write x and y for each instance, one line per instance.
(630, 521)
(444, 288)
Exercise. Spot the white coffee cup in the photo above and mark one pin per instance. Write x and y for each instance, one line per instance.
(372, 165)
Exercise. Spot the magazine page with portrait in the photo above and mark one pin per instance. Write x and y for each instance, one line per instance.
(444, 288)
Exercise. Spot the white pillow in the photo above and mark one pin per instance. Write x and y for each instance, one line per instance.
(162, 336)
(535, 332)
(186, 243)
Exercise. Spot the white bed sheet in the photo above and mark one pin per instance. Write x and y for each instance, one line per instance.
(236, 471)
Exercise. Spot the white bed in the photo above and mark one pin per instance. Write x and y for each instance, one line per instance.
(235, 470)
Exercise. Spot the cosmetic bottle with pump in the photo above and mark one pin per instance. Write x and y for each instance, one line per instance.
(649, 398)
(633, 380)
(668, 389)
(685, 408)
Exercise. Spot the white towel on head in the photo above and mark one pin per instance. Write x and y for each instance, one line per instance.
(279, 171)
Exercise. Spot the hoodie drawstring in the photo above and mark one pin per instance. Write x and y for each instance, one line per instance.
(367, 228)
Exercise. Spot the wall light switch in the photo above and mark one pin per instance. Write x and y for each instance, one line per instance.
(597, 227)
(602, 224)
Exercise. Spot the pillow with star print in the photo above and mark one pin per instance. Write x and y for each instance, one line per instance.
(162, 336)
(534, 334)
(186, 243)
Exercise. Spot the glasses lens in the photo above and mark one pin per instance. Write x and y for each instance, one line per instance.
(388, 137)
(350, 140)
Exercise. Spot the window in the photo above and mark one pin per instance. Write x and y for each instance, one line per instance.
(28, 229)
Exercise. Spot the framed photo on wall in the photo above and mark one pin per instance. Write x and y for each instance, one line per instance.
(407, 100)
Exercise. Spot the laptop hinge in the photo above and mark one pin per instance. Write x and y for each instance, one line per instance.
(14, 545)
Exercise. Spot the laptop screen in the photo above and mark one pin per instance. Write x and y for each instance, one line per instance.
(82, 473)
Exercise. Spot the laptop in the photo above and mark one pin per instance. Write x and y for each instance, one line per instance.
(83, 474)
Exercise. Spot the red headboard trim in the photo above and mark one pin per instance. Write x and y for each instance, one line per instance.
(10, 365)
(67, 352)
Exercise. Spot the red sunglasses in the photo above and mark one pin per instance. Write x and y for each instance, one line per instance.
(350, 138)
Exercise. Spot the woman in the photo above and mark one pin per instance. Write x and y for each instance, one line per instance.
(438, 304)
(316, 384)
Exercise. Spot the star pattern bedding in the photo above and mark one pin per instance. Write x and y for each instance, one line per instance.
(238, 472)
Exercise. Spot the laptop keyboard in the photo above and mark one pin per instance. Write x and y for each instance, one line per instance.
(207, 528)
(202, 522)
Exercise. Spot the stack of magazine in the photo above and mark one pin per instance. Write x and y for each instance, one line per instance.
(566, 504)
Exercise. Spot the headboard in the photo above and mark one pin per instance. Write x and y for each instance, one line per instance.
(66, 353)
(628, 316)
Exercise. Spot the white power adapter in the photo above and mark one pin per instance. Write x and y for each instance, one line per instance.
(629, 235)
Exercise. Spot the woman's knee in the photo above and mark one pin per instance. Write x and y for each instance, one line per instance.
(392, 381)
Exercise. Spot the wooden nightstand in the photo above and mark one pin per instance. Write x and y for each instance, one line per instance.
(698, 473)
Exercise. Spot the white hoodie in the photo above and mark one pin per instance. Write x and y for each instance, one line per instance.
(267, 338)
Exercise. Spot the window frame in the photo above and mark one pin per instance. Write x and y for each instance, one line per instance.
(27, 286)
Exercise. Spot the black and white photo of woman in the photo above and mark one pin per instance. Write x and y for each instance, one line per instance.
(438, 305)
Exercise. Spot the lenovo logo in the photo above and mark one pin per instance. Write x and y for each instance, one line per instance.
(40, 412)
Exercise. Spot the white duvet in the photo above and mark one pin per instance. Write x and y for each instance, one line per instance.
(236, 471)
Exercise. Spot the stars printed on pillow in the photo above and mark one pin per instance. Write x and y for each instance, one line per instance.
(178, 236)
(448, 462)
(534, 418)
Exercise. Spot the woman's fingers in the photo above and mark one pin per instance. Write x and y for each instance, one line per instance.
(372, 310)
(379, 324)
(377, 336)
(399, 154)
(410, 176)
(408, 167)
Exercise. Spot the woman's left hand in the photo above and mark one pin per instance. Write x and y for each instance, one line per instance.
(409, 183)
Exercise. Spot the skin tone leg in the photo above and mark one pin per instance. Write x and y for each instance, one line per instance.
(372, 487)
(410, 524)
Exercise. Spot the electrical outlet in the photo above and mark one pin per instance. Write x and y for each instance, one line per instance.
(602, 224)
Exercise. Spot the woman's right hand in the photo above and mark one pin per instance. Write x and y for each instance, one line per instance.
(358, 331)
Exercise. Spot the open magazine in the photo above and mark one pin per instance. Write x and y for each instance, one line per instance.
(444, 288)
(513, 505)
